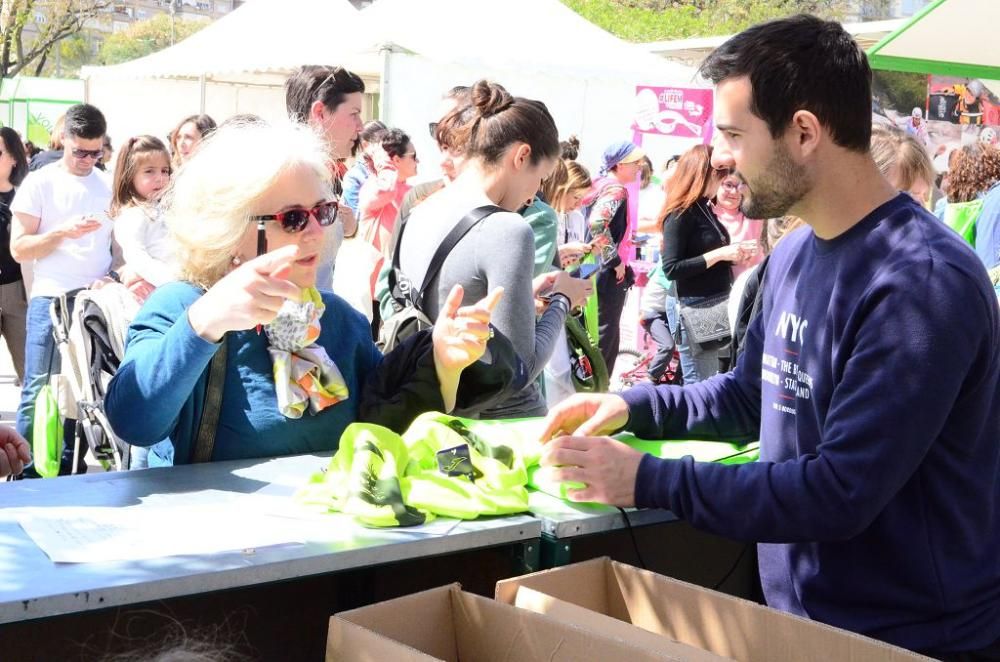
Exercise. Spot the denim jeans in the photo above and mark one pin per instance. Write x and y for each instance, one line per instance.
(160, 454)
(659, 329)
(41, 359)
(696, 363)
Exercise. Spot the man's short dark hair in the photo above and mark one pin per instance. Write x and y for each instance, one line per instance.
(801, 63)
(85, 121)
(312, 83)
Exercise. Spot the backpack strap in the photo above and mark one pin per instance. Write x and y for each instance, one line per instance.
(205, 441)
(437, 261)
(468, 222)
(395, 294)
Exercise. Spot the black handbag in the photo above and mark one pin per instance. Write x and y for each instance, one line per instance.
(707, 322)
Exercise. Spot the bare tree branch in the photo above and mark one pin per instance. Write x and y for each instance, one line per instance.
(63, 18)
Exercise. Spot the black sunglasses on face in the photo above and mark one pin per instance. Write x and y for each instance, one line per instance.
(88, 153)
(296, 220)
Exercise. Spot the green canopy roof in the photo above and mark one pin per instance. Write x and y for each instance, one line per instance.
(947, 38)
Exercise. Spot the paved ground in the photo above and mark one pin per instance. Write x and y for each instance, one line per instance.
(10, 393)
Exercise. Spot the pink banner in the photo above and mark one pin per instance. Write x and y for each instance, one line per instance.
(681, 112)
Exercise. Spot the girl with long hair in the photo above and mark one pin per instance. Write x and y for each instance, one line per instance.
(142, 174)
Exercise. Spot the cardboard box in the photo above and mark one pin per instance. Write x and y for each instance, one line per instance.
(613, 598)
(448, 624)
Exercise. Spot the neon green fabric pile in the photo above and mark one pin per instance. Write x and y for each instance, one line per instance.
(438, 467)
(460, 468)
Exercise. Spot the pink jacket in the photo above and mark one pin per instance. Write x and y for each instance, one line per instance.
(378, 206)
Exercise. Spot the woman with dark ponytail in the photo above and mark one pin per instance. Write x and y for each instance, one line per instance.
(511, 145)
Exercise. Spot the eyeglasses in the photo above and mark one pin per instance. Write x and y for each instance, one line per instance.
(409, 154)
(88, 153)
(433, 128)
(729, 186)
(296, 220)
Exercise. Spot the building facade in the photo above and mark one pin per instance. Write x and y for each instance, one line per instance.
(868, 10)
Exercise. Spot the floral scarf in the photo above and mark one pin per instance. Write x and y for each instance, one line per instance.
(304, 375)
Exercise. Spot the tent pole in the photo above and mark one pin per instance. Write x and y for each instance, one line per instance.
(383, 90)
(201, 84)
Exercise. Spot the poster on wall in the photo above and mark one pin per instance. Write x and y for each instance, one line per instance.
(959, 111)
(671, 120)
(667, 121)
(956, 112)
(963, 101)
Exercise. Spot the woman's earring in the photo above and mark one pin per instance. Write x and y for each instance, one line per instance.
(237, 261)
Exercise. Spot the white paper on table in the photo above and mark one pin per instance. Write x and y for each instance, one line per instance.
(89, 535)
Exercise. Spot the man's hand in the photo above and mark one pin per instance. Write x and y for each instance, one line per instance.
(584, 415)
(77, 227)
(606, 467)
(14, 452)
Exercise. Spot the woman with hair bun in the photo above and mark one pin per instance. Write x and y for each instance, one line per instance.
(570, 148)
(510, 145)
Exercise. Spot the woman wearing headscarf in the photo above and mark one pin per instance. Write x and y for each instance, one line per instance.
(608, 221)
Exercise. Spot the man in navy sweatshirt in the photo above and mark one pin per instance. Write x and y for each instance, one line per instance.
(870, 376)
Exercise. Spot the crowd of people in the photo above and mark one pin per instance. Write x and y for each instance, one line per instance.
(266, 259)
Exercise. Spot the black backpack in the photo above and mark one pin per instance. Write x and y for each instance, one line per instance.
(408, 316)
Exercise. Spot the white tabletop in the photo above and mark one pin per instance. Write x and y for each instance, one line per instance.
(32, 586)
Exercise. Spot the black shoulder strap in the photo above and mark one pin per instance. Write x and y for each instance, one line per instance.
(394, 271)
(467, 223)
(205, 441)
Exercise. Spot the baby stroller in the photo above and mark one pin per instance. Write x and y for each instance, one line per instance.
(91, 343)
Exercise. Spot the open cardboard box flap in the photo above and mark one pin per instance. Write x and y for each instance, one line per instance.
(689, 614)
(448, 624)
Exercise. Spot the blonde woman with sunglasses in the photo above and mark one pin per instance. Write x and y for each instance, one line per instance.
(296, 365)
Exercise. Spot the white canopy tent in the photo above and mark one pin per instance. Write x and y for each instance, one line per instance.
(238, 64)
(411, 51)
(946, 38)
(537, 48)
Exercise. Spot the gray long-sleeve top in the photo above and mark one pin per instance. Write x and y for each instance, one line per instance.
(498, 252)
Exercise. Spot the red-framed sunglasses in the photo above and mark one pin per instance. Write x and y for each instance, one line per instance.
(296, 220)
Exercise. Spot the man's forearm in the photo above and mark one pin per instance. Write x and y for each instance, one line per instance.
(30, 247)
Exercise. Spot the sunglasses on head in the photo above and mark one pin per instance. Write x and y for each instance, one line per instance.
(296, 220)
(88, 153)
(433, 127)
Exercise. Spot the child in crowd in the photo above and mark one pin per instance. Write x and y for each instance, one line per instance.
(141, 175)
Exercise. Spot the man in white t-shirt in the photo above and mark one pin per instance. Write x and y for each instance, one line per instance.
(61, 227)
